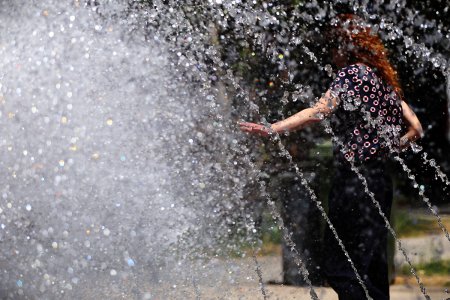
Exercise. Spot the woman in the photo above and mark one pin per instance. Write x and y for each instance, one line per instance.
(367, 112)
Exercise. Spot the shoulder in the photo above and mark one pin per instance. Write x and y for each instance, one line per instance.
(352, 71)
(345, 77)
(358, 69)
(366, 72)
(347, 70)
(359, 74)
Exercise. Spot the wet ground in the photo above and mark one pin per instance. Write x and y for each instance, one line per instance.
(235, 279)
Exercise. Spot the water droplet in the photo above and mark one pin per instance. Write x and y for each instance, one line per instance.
(130, 262)
(416, 148)
(328, 69)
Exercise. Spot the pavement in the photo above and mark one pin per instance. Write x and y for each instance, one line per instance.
(419, 250)
(291, 293)
(227, 279)
(424, 249)
(272, 265)
(237, 279)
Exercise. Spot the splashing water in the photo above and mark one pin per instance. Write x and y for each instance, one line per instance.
(98, 123)
(103, 181)
(432, 163)
(273, 208)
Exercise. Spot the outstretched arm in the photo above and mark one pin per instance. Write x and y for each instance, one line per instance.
(303, 118)
(322, 108)
(415, 130)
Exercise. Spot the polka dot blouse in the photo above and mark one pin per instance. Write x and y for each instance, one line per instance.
(368, 116)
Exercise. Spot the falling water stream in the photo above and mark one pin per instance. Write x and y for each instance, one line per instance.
(432, 163)
(380, 211)
(373, 123)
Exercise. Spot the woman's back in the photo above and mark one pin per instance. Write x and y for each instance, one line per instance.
(368, 117)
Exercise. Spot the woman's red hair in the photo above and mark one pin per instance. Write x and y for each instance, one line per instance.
(366, 47)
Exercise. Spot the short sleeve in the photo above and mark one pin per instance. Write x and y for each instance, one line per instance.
(344, 83)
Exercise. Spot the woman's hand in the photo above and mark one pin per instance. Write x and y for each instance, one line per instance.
(415, 130)
(256, 129)
(321, 109)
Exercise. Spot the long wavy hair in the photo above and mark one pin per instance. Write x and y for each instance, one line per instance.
(363, 45)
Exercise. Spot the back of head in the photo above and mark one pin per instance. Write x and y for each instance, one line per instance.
(356, 42)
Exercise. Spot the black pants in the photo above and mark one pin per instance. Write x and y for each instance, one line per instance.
(362, 230)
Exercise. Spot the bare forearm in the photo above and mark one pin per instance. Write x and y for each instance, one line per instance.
(322, 108)
(297, 121)
(412, 135)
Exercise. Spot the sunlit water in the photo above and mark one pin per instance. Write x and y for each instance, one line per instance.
(105, 185)
(121, 167)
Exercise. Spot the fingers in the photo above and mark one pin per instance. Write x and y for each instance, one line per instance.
(254, 128)
(246, 129)
(247, 126)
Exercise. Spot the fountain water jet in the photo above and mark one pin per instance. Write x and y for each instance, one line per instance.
(99, 146)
